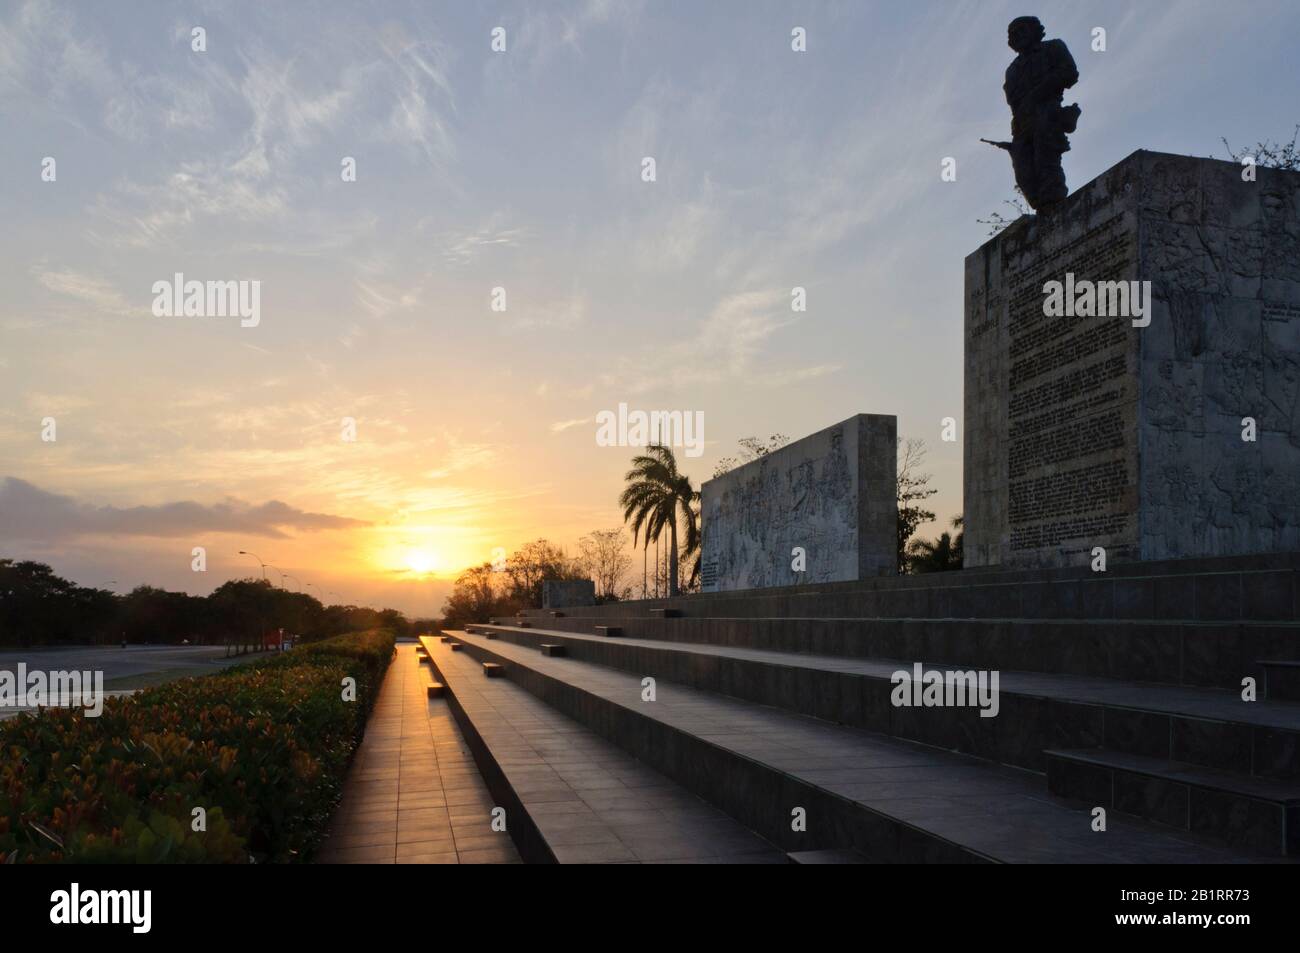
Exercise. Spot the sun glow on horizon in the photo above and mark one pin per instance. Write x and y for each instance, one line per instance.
(422, 561)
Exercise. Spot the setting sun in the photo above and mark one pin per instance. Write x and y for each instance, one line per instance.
(421, 561)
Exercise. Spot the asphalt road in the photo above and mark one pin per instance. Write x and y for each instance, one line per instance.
(150, 664)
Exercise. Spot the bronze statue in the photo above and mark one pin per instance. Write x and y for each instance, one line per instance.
(1036, 80)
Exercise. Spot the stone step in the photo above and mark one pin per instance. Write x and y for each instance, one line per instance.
(1242, 812)
(573, 797)
(435, 689)
(1233, 588)
(1202, 654)
(1036, 711)
(608, 631)
(888, 799)
(493, 670)
(1281, 680)
(553, 650)
(665, 613)
(826, 857)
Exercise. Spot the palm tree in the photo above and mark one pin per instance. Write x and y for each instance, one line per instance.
(942, 555)
(655, 496)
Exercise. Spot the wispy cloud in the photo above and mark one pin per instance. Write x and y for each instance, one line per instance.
(562, 425)
(97, 292)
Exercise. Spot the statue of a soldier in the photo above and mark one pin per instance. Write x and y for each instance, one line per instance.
(1036, 80)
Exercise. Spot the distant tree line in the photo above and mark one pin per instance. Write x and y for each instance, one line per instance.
(38, 607)
(514, 583)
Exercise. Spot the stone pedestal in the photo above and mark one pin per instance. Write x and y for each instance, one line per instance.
(1089, 431)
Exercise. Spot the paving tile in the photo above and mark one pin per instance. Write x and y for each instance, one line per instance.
(358, 855)
(434, 857)
(411, 765)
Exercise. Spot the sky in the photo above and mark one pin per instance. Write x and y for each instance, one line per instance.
(523, 170)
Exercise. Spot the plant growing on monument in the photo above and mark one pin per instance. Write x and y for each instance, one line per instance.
(1269, 154)
(656, 496)
(913, 486)
(751, 448)
(997, 221)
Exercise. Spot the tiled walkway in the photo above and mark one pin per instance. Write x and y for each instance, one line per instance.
(414, 795)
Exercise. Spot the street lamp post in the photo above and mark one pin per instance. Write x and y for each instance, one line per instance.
(262, 616)
(244, 552)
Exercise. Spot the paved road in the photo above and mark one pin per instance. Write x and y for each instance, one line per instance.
(117, 663)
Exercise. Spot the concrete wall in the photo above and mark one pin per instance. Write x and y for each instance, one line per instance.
(1084, 432)
(831, 493)
(565, 593)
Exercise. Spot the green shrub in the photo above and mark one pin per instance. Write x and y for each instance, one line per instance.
(263, 748)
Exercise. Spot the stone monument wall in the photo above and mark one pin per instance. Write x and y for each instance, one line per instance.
(568, 593)
(831, 493)
(1089, 431)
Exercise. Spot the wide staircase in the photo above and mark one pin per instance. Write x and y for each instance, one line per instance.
(1166, 694)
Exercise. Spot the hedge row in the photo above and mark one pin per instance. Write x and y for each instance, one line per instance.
(262, 748)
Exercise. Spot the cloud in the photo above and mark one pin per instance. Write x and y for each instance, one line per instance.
(42, 55)
(563, 425)
(95, 291)
(274, 107)
(460, 249)
(723, 347)
(28, 512)
(546, 33)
